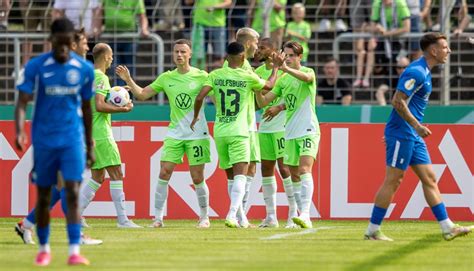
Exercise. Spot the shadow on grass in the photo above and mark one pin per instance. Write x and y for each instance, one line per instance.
(395, 255)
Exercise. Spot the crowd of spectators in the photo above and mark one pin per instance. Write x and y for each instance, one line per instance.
(211, 24)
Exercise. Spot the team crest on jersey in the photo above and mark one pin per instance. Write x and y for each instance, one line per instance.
(73, 76)
(409, 84)
(192, 85)
(183, 101)
(290, 101)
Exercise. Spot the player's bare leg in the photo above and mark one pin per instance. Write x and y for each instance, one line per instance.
(202, 193)
(433, 198)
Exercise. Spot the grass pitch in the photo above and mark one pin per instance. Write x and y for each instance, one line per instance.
(331, 245)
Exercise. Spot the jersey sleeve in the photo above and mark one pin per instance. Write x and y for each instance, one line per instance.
(375, 16)
(87, 90)
(307, 31)
(256, 83)
(26, 81)
(159, 84)
(101, 86)
(403, 11)
(410, 80)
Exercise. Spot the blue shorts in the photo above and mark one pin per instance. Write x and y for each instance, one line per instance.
(70, 161)
(403, 153)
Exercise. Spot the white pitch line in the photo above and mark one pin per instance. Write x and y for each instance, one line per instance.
(284, 235)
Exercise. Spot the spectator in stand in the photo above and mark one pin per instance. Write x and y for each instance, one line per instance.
(35, 18)
(361, 11)
(299, 30)
(386, 88)
(171, 16)
(120, 17)
(277, 19)
(415, 27)
(425, 14)
(390, 19)
(333, 89)
(209, 20)
(238, 17)
(84, 17)
(463, 18)
(5, 6)
(339, 13)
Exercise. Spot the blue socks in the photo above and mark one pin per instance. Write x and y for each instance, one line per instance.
(63, 201)
(378, 215)
(74, 233)
(439, 212)
(55, 196)
(43, 235)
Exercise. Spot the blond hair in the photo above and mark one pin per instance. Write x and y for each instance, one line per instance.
(245, 34)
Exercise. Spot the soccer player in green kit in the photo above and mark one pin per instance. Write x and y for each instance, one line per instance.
(231, 86)
(181, 85)
(248, 37)
(271, 133)
(105, 149)
(298, 88)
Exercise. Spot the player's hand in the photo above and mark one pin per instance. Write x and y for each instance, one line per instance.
(271, 112)
(21, 140)
(423, 131)
(123, 72)
(193, 123)
(128, 107)
(90, 158)
(278, 59)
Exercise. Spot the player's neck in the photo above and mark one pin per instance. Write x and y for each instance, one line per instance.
(430, 61)
(183, 68)
(100, 66)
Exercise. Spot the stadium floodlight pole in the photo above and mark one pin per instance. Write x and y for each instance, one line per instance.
(267, 9)
(446, 8)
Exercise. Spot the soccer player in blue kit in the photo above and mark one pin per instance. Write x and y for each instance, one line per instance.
(404, 142)
(60, 82)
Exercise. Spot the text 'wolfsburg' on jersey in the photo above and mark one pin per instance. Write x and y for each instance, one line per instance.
(231, 89)
(415, 82)
(59, 90)
(251, 112)
(277, 124)
(182, 90)
(299, 99)
(101, 122)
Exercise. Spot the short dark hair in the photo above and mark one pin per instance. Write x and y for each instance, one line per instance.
(62, 25)
(331, 59)
(429, 39)
(295, 46)
(79, 35)
(235, 48)
(184, 41)
(268, 42)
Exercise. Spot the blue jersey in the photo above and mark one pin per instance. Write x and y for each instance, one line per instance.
(415, 82)
(58, 90)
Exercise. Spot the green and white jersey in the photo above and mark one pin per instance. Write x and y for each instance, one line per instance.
(101, 122)
(182, 90)
(299, 99)
(231, 89)
(277, 124)
(251, 114)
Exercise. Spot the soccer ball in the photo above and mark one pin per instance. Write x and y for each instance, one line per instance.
(118, 96)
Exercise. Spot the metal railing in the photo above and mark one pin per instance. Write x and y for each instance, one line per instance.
(16, 37)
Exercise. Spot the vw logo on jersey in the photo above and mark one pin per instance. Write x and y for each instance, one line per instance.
(73, 76)
(192, 85)
(290, 101)
(183, 101)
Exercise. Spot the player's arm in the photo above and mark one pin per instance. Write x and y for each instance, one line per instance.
(400, 104)
(102, 106)
(198, 104)
(224, 4)
(20, 112)
(87, 119)
(272, 111)
(138, 92)
(270, 83)
(405, 28)
(300, 75)
(264, 100)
